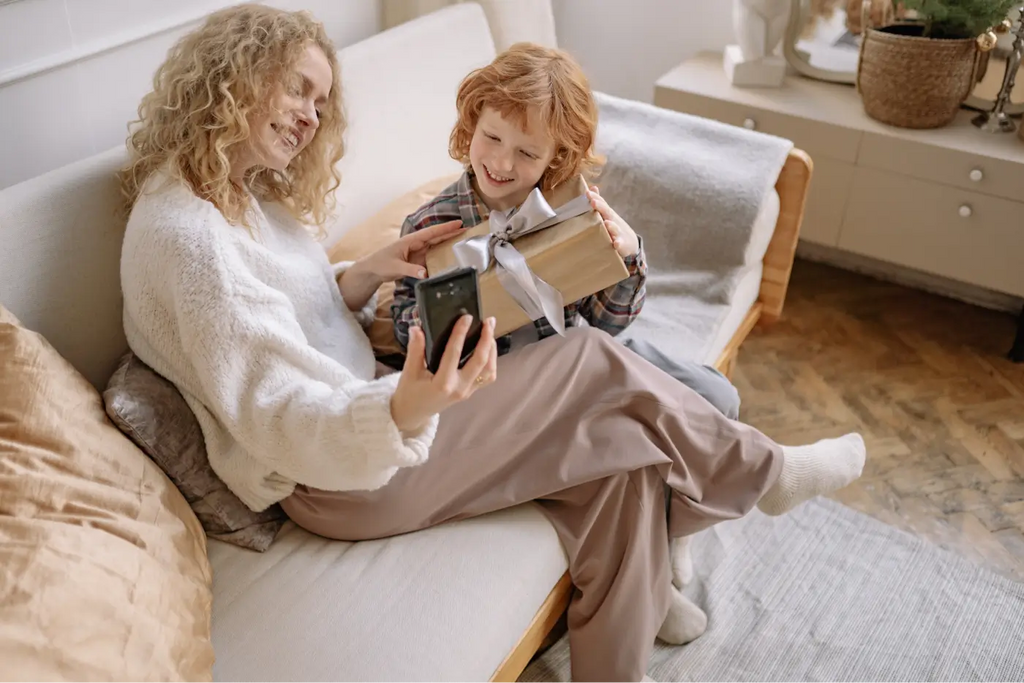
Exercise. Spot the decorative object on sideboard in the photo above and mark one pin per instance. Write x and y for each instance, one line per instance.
(823, 39)
(910, 81)
(992, 79)
(823, 36)
(877, 14)
(997, 120)
(759, 27)
(917, 74)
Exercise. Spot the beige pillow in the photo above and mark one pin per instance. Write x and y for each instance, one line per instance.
(104, 568)
(375, 233)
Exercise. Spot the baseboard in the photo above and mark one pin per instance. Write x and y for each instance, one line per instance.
(979, 296)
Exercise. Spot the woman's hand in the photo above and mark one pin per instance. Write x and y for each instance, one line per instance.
(421, 395)
(405, 257)
(624, 240)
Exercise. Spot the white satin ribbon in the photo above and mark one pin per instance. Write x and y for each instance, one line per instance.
(536, 297)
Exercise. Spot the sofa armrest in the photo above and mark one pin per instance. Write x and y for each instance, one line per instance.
(794, 181)
(777, 265)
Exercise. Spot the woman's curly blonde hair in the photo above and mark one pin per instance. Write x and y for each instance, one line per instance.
(213, 82)
(525, 76)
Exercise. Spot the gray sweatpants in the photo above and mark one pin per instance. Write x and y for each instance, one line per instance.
(703, 379)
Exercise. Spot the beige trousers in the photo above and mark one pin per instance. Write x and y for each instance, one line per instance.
(593, 433)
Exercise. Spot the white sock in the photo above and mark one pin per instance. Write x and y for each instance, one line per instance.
(682, 561)
(814, 470)
(684, 621)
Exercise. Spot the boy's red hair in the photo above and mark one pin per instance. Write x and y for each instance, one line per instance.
(528, 75)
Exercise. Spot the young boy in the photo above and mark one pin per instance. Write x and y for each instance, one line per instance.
(510, 116)
(528, 120)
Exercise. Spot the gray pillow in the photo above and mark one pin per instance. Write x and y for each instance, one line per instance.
(152, 413)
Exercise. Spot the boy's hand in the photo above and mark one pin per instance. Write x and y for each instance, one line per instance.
(624, 240)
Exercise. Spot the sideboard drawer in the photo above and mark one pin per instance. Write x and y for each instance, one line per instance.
(817, 138)
(955, 233)
(826, 201)
(973, 172)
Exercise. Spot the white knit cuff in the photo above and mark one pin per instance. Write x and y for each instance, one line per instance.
(367, 313)
(385, 444)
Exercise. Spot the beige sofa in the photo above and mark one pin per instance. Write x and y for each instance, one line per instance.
(466, 601)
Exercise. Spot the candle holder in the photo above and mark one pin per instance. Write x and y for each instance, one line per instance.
(997, 120)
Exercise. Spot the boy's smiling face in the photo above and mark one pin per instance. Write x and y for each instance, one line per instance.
(508, 161)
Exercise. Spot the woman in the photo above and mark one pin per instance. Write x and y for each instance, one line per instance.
(229, 296)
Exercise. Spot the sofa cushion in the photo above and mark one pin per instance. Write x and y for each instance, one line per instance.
(104, 568)
(152, 412)
(60, 260)
(443, 604)
(399, 88)
(376, 232)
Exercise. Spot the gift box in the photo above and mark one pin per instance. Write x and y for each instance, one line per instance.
(573, 255)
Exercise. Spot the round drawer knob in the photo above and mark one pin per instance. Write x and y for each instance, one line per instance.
(977, 175)
(965, 211)
(749, 124)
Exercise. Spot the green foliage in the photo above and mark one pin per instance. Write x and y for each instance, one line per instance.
(961, 18)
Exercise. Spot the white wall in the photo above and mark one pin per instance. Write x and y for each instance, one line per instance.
(625, 45)
(72, 72)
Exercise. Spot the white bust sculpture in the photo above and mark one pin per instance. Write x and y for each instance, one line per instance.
(759, 26)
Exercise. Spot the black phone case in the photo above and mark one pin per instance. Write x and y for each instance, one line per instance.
(442, 300)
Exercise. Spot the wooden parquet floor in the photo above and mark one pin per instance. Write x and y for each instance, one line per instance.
(925, 380)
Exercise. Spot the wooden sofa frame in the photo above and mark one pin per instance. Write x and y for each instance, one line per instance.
(791, 186)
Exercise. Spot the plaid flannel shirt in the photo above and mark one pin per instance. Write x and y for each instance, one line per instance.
(611, 310)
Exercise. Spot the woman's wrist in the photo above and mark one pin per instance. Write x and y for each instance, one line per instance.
(405, 418)
(357, 284)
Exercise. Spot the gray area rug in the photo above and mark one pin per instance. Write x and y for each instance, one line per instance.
(826, 593)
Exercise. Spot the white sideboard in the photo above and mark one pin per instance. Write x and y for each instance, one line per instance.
(946, 204)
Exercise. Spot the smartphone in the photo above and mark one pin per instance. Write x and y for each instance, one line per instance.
(442, 300)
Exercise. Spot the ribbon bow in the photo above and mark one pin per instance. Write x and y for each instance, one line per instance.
(536, 297)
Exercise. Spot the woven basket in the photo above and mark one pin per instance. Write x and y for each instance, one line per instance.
(913, 82)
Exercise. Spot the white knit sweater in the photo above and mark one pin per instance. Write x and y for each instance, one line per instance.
(253, 331)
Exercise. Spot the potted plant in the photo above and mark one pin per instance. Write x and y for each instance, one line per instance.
(916, 73)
